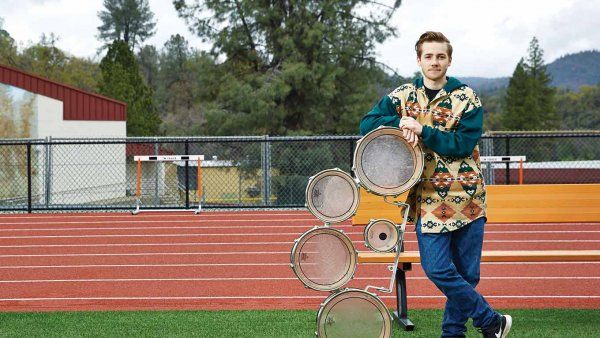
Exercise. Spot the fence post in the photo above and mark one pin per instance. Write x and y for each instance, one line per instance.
(29, 208)
(266, 169)
(187, 180)
(351, 156)
(48, 172)
(507, 163)
(157, 167)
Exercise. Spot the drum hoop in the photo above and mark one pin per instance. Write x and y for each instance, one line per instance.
(294, 257)
(334, 172)
(387, 332)
(416, 153)
(375, 221)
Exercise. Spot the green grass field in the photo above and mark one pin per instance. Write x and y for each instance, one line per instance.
(527, 323)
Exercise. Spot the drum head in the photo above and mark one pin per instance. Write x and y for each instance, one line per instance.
(381, 235)
(385, 163)
(324, 259)
(353, 313)
(332, 195)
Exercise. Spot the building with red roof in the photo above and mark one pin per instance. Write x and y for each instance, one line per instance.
(33, 107)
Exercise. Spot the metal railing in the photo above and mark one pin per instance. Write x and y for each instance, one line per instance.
(240, 172)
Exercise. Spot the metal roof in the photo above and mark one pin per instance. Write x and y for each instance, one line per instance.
(77, 104)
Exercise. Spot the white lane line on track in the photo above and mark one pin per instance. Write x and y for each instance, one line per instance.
(210, 243)
(156, 254)
(77, 266)
(213, 234)
(144, 244)
(235, 243)
(138, 265)
(185, 253)
(167, 235)
(306, 227)
(259, 279)
(275, 297)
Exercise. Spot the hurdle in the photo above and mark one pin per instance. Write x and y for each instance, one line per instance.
(165, 158)
(503, 159)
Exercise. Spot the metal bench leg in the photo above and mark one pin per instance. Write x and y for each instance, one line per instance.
(402, 309)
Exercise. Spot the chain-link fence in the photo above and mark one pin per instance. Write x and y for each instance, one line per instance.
(239, 172)
(551, 158)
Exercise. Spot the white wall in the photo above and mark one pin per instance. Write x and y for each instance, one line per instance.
(51, 123)
(81, 173)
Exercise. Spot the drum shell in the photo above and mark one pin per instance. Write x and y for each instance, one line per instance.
(387, 332)
(415, 152)
(313, 180)
(294, 258)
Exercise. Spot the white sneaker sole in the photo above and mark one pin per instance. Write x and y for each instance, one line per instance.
(508, 326)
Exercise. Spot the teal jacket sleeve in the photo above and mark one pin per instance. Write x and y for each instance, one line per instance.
(458, 143)
(383, 114)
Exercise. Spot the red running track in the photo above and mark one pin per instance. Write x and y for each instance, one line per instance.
(240, 260)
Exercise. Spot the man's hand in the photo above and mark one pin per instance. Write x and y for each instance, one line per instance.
(410, 130)
(411, 124)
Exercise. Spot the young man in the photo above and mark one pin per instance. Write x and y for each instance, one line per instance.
(448, 204)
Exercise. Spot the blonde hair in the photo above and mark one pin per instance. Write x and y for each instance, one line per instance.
(430, 36)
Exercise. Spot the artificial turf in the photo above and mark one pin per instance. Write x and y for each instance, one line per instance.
(527, 323)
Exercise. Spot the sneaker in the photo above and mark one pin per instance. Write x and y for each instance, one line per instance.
(501, 330)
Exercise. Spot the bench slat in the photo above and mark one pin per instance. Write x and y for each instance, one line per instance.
(535, 203)
(493, 256)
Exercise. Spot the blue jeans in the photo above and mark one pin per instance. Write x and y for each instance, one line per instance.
(451, 261)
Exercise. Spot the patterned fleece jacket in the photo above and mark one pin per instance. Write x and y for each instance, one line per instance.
(451, 192)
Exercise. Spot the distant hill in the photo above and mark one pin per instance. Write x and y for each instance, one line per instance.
(570, 71)
(575, 70)
(485, 85)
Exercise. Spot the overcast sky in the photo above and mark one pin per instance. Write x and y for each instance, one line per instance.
(488, 36)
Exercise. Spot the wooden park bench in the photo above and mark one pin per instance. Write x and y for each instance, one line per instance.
(566, 203)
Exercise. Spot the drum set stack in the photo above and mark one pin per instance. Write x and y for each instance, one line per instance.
(325, 259)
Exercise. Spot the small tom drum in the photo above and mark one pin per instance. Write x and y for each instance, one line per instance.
(385, 163)
(353, 313)
(324, 259)
(332, 195)
(382, 235)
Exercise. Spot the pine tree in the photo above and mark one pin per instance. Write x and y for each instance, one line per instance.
(530, 100)
(290, 67)
(121, 80)
(545, 95)
(127, 20)
(147, 58)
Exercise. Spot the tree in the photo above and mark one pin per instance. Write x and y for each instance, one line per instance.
(147, 58)
(45, 59)
(290, 67)
(127, 20)
(121, 80)
(580, 110)
(3, 33)
(530, 101)
(8, 48)
(179, 87)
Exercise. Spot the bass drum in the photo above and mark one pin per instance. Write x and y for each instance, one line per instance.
(386, 164)
(353, 313)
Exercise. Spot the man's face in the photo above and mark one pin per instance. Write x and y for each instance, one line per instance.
(434, 60)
